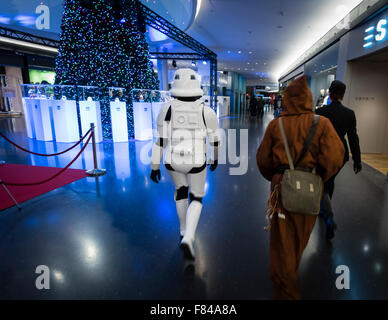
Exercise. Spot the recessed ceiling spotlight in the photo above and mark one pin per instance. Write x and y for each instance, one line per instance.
(204, 62)
(228, 51)
(250, 52)
(239, 51)
(248, 63)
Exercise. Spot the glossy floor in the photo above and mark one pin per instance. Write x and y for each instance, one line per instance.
(118, 237)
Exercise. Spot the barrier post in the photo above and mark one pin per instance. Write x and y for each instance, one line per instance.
(95, 172)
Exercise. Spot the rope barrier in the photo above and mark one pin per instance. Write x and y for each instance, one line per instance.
(55, 175)
(46, 155)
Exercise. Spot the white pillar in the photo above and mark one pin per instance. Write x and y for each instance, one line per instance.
(163, 74)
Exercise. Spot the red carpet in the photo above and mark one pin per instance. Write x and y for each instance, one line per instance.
(19, 173)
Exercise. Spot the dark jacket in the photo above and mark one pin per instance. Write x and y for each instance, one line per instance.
(344, 122)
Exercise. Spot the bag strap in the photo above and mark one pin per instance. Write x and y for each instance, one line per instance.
(306, 145)
(290, 162)
(309, 139)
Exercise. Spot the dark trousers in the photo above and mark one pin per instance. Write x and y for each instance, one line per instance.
(327, 196)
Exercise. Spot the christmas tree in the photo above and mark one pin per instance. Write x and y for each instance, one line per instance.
(103, 44)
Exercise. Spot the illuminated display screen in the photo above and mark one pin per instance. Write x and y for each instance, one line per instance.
(376, 34)
(33, 16)
(37, 76)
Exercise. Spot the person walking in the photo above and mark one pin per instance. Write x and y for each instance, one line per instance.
(253, 106)
(344, 122)
(260, 106)
(290, 231)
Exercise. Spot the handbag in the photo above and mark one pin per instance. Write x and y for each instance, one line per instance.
(301, 188)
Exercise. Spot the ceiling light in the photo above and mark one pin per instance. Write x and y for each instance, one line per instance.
(193, 63)
(204, 62)
(198, 8)
(28, 44)
(239, 51)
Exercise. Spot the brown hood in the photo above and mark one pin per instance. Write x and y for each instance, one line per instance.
(298, 97)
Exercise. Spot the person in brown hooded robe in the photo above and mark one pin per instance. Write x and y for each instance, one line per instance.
(290, 232)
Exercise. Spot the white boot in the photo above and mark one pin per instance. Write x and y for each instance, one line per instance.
(192, 218)
(181, 209)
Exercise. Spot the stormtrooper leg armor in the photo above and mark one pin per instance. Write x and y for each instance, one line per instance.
(196, 183)
(182, 204)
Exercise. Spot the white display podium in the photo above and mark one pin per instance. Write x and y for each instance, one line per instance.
(65, 120)
(42, 118)
(142, 118)
(27, 110)
(118, 114)
(224, 106)
(90, 112)
(156, 107)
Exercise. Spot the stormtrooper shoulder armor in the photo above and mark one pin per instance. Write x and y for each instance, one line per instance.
(210, 118)
(164, 114)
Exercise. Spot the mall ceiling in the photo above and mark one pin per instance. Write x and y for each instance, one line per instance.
(261, 38)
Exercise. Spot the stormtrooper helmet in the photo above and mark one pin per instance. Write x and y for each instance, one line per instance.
(186, 84)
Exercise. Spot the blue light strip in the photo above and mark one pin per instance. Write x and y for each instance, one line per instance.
(368, 37)
(369, 29)
(367, 45)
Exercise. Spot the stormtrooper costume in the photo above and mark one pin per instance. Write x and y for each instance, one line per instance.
(183, 126)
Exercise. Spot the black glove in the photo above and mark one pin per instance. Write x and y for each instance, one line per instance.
(357, 167)
(213, 166)
(155, 175)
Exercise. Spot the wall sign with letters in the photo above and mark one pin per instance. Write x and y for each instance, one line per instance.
(376, 34)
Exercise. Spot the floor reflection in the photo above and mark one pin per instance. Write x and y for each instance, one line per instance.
(117, 237)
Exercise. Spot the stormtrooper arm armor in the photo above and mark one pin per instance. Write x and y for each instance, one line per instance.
(162, 137)
(212, 128)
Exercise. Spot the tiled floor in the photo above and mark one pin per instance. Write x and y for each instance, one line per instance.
(118, 237)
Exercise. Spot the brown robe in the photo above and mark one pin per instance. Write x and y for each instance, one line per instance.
(290, 232)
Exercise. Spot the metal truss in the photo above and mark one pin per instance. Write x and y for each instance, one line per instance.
(162, 25)
(178, 56)
(24, 36)
(213, 84)
(201, 52)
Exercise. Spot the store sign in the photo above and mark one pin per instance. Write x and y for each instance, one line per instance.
(376, 34)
